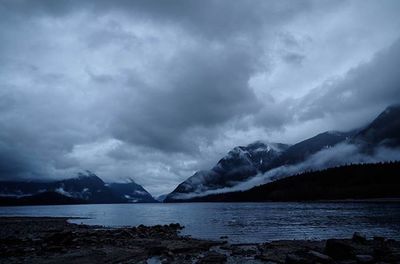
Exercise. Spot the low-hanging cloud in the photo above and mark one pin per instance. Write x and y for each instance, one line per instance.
(338, 155)
(155, 90)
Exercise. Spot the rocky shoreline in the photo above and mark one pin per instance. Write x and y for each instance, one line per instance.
(54, 240)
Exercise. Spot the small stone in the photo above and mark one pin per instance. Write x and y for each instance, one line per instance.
(319, 257)
(237, 251)
(30, 249)
(365, 259)
(212, 257)
(226, 246)
(379, 239)
(295, 259)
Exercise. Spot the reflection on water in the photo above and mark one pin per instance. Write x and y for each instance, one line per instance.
(241, 222)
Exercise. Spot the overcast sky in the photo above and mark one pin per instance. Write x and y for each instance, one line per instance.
(155, 90)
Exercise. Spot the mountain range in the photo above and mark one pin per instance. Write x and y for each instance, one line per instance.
(234, 177)
(258, 160)
(85, 188)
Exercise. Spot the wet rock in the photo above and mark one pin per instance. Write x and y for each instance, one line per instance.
(29, 249)
(213, 257)
(37, 240)
(265, 257)
(246, 251)
(359, 238)
(320, 258)
(365, 259)
(338, 249)
(176, 226)
(226, 246)
(296, 259)
(55, 249)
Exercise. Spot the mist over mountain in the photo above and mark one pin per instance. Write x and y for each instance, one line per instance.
(85, 188)
(376, 142)
(357, 181)
(240, 169)
(163, 89)
(131, 192)
(304, 149)
(383, 131)
(240, 164)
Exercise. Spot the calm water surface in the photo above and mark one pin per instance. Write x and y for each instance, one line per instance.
(241, 222)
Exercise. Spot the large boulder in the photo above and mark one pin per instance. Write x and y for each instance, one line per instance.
(339, 249)
(359, 238)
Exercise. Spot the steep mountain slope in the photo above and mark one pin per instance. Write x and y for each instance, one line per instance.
(132, 192)
(300, 151)
(88, 187)
(240, 164)
(360, 181)
(161, 197)
(85, 188)
(243, 163)
(384, 130)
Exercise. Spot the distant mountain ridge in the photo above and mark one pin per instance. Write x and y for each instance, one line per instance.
(85, 188)
(244, 163)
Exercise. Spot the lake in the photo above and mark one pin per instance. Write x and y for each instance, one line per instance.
(240, 222)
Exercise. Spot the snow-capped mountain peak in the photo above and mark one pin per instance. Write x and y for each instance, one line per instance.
(239, 164)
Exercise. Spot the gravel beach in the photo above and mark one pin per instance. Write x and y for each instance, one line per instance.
(54, 240)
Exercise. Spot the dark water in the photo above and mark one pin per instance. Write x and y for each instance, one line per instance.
(241, 222)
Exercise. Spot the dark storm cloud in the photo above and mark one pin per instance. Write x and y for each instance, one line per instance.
(374, 84)
(212, 18)
(200, 89)
(156, 90)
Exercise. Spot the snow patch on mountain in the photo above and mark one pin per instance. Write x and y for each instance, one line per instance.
(61, 190)
(238, 165)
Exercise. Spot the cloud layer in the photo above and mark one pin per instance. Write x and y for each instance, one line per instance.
(155, 90)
